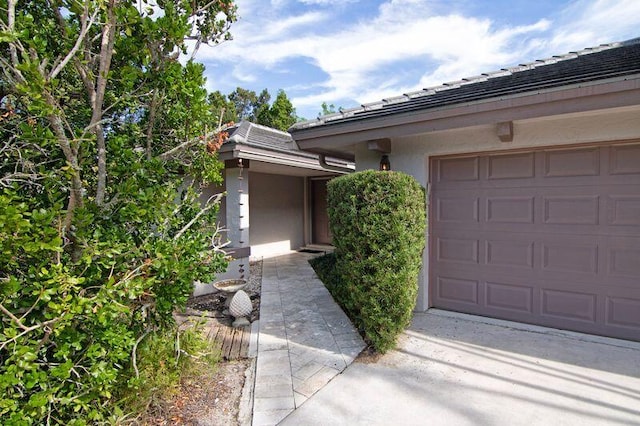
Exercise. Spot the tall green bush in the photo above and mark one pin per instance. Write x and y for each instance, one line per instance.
(100, 237)
(378, 222)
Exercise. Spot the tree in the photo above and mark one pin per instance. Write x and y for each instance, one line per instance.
(244, 101)
(327, 109)
(260, 107)
(222, 107)
(280, 115)
(256, 108)
(100, 236)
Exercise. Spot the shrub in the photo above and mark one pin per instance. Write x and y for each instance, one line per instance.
(166, 358)
(325, 267)
(378, 221)
(68, 328)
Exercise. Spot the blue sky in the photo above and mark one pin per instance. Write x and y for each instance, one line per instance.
(349, 52)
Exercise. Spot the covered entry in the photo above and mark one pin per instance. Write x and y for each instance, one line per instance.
(546, 236)
(320, 232)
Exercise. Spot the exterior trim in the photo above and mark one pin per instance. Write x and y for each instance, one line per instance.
(582, 98)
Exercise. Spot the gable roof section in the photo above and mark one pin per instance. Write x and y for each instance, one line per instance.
(271, 146)
(609, 61)
(258, 136)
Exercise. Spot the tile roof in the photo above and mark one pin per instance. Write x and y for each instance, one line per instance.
(258, 136)
(252, 135)
(612, 60)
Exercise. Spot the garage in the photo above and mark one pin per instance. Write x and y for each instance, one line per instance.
(547, 236)
(533, 175)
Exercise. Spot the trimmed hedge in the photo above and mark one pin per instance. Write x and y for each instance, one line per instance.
(378, 223)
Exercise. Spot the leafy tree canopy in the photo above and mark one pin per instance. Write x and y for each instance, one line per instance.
(100, 235)
(245, 102)
(281, 114)
(327, 109)
(249, 106)
(221, 106)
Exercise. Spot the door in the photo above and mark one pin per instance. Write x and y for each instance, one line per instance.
(549, 237)
(320, 231)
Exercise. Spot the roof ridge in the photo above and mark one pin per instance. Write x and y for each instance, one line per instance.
(249, 128)
(270, 129)
(631, 41)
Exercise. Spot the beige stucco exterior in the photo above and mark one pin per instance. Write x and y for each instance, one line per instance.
(276, 214)
(411, 154)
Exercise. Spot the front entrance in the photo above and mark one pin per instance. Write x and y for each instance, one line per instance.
(320, 232)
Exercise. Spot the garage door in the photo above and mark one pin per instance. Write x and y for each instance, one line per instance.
(549, 237)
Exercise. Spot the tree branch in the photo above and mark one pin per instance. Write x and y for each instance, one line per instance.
(208, 207)
(174, 151)
(81, 69)
(15, 319)
(25, 329)
(153, 109)
(11, 23)
(106, 53)
(76, 196)
(72, 53)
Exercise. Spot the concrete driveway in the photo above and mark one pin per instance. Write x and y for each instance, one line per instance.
(454, 369)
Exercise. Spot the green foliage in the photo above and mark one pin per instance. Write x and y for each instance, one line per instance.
(327, 109)
(63, 337)
(255, 108)
(74, 324)
(221, 106)
(378, 222)
(166, 358)
(101, 235)
(245, 103)
(281, 115)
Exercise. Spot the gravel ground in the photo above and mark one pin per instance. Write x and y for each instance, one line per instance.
(213, 303)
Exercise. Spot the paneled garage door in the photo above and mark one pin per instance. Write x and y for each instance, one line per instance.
(549, 237)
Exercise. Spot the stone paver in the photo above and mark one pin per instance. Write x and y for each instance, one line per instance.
(305, 339)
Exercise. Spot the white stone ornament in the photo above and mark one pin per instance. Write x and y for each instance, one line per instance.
(240, 307)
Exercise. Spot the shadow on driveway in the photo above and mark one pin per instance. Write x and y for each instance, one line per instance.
(460, 370)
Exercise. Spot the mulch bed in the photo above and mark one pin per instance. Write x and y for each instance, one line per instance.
(212, 305)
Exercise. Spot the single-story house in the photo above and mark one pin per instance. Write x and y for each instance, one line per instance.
(276, 195)
(533, 186)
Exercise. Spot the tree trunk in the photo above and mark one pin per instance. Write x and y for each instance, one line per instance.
(106, 53)
(76, 191)
(153, 109)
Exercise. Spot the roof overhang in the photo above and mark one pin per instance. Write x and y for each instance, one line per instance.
(340, 138)
(278, 162)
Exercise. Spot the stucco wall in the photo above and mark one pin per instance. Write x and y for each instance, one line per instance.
(411, 154)
(209, 192)
(276, 218)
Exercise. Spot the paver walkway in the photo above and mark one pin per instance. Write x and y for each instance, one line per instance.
(305, 339)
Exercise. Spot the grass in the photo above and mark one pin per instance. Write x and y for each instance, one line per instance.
(165, 359)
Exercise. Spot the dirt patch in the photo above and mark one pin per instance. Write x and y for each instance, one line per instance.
(368, 356)
(209, 399)
(213, 397)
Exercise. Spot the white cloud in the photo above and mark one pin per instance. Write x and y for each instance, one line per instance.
(242, 74)
(365, 50)
(366, 60)
(326, 2)
(586, 23)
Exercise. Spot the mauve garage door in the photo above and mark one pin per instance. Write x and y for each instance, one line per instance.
(549, 237)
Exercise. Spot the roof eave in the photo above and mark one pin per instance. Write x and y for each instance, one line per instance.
(308, 161)
(583, 97)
